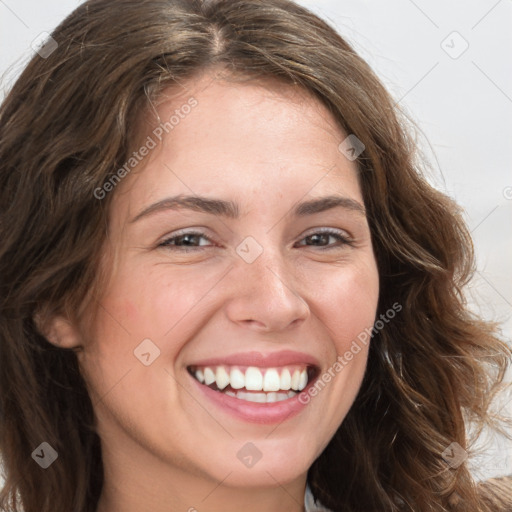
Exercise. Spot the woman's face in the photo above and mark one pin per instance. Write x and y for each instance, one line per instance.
(253, 281)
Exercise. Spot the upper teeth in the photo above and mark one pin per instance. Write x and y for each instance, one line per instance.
(254, 378)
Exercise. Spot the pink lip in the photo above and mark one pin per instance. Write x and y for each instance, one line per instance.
(270, 360)
(274, 412)
(268, 413)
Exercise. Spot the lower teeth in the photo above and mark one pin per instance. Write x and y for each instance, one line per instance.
(261, 397)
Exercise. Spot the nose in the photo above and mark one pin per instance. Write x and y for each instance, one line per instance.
(264, 295)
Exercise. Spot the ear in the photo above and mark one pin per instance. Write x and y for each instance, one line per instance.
(59, 331)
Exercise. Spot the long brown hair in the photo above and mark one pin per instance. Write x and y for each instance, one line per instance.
(67, 126)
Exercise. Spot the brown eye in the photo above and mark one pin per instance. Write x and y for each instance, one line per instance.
(321, 239)
(185, 241)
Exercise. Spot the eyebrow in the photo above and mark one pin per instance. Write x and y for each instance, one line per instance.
(231, 210)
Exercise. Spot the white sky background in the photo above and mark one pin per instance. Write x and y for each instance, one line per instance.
(463, 106)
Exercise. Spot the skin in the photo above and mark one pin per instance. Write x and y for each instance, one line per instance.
(165, 446)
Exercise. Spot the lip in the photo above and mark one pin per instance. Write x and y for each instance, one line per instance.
(268, 413)
(253, 412)
(261, 360)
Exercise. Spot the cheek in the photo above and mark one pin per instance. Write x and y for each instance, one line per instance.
(347, 304)
(151, 302)
(346, 309)
(144, 304)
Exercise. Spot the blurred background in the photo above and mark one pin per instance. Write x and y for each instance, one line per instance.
(445, 63)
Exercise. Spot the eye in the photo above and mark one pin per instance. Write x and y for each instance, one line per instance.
(191, 241)
(321, 239)
(185, 241)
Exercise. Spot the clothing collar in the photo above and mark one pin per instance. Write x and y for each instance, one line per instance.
(309, 502)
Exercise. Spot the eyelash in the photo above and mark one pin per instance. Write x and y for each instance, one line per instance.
(331, 232)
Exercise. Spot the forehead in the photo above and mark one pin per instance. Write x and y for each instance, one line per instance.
(256, 139)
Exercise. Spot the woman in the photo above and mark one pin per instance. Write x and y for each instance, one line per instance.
(226, 285)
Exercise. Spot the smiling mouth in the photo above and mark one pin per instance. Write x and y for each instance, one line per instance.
(255, 384)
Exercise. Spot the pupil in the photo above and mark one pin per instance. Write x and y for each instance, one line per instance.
(186, 239)
(317, 237)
